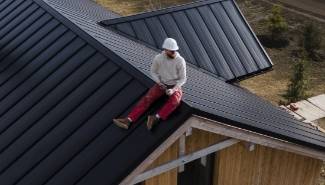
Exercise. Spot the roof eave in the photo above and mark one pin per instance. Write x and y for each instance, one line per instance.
(258, 130)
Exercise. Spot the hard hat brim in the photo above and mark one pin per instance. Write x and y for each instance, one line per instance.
(172, 49)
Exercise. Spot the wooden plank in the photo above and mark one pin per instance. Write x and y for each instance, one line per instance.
(319, 101)
(309, 111)
(153, 156)
(182, 150)
(185, 159)
(212, 126)
(264, 165)
(245, 135)
(189, 132)
(169, 177)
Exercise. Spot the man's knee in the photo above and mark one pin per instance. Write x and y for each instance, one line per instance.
(176, 98)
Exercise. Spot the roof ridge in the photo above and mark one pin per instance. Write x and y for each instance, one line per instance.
(158, 50)
(206, 39)
(208, 104)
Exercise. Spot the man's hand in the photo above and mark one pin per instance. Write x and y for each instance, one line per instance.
(162, 86)
(170, 92)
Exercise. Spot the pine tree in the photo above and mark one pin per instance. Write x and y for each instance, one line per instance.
(277, 25)
(311, 39)
(298, 83)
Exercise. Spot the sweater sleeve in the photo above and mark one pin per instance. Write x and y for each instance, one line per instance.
(182, 74)
(154, 70)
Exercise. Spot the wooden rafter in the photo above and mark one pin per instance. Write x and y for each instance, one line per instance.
(253, 137)
(153, 156)
(222, 129)
(185, 159)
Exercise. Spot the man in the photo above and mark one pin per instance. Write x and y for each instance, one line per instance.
(168, 70)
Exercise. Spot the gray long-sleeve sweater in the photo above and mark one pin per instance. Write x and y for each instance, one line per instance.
(169, 71)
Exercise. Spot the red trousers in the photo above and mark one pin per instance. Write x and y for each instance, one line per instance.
(152, 95)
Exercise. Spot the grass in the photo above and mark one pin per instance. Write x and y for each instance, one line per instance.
(130, 7)
(256, 13)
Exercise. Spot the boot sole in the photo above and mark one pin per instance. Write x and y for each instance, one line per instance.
(150, 127)
(121, 125)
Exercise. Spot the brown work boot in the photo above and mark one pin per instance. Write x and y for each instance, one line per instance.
(152, 121)
(122, 122)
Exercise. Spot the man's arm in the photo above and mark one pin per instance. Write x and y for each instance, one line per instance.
(182, 74)
(154, 70)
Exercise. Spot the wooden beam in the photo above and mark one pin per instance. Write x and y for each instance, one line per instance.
(189, 131)
(249, 136)
(204, 161)
(182, 150)
(225, 130)
(251, 147)
(153, 156)
(185, 159)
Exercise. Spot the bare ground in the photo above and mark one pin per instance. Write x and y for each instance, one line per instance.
(256, 12)
(316, 7)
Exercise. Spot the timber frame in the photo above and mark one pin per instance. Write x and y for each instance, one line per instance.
(234, 135)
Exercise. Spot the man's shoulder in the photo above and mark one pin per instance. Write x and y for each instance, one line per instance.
(159, 56)
(180, 58)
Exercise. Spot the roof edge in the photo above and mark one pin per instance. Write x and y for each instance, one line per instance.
(258, 130)
(216, 127)
(152, 156)
(158, 12)
(136, 73)
(252, 31)
(250, 75)
(257, 138)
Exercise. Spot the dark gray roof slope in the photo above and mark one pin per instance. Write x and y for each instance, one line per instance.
(61, 85)
(212, 35)
(59, 91)
(209, 95)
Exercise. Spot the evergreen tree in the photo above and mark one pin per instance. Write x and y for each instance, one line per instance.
(277, 25)
(298, 83)
(311, 39)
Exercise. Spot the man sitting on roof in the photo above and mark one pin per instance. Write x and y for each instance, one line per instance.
(168, 70)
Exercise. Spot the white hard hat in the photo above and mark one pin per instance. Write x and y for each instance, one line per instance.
(170, 44)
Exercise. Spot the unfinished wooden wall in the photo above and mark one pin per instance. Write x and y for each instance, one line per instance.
(169, 177)
(197, 140)
(238, 166)
(265, 166)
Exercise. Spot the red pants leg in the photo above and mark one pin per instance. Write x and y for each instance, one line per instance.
(151, 96)
(172, 103)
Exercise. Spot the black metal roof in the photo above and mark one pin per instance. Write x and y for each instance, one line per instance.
(212, 35)
(59, 92)
(63, 78)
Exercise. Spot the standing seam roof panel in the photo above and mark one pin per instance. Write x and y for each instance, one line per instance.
(210, 45)
(197, 30)
(59, 92)
(140, 56)
(222, 41)
(172, 29)
(63, 132)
